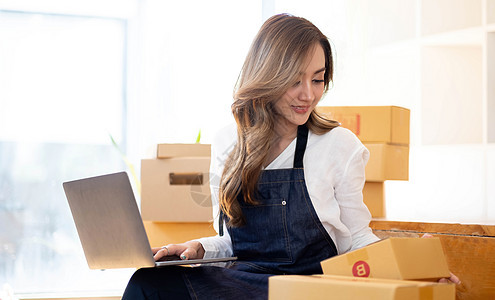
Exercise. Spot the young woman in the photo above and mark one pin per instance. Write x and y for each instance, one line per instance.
(286, 182)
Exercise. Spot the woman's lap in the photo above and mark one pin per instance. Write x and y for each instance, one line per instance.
(196, 283)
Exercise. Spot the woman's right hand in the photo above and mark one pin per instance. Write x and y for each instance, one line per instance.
(187, 250)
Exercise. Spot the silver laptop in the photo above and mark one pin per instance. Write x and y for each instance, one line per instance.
(110, 227)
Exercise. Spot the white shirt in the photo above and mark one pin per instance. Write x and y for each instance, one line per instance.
(334, 172)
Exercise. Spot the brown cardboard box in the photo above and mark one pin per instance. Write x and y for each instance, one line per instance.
(374, 198)
(392, 258)
(296, 287)
(160, 233)
(372, 124)
(176, 189)
(387, 162)
(183, 150)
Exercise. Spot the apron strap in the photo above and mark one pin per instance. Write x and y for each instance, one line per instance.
(220, 223)
(302, 140)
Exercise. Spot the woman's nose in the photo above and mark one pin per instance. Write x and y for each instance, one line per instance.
(306, 92)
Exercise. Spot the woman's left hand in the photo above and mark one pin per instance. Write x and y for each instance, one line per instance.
(452, 278)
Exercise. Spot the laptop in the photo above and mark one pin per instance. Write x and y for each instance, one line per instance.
(110, 227)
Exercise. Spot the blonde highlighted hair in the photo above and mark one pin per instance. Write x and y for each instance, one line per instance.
(273, 64)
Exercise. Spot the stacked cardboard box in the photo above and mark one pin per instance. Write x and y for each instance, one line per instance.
(384, 130)
(175, 193)
(395, 268)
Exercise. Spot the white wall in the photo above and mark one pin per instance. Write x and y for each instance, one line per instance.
(189, 54)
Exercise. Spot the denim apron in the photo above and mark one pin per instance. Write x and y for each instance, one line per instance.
(282, 235)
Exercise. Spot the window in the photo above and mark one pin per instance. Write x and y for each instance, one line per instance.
(62, 94)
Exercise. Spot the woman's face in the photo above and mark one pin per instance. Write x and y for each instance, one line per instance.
(299, 100)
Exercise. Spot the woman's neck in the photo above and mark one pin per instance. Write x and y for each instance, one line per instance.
(283, 136)
(285, 130)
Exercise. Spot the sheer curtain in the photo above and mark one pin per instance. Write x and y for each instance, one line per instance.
(62, 95)
(73, 76)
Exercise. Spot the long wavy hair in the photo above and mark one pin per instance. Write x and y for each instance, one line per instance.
(273, 64)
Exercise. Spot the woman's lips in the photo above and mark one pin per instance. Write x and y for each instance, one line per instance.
(300, 109)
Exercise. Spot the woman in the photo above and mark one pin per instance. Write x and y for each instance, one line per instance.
(290, 192)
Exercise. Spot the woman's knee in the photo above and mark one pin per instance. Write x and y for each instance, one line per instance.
(142, 275)
(140, 285)
(159, 283)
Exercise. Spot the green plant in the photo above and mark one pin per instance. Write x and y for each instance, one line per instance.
(198, 139)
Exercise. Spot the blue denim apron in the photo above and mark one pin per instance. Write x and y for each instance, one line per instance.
(282, 235)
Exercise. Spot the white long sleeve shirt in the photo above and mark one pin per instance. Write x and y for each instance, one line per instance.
(334, 172)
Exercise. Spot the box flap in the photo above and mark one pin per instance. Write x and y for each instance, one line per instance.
(414, 255)
(392, 258)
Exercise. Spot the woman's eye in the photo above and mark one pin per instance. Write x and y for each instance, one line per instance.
(318, 81)
(297, 83)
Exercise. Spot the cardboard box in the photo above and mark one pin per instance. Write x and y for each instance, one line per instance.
(160, 233)
(387, 162)
(392, 258)
(183, 150)
(372, 124)
(374, 198)
(176, 190)
(295, 287)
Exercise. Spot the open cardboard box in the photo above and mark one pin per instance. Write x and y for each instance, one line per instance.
(316, 287)
(392, 258)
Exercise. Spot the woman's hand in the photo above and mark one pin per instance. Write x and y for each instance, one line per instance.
(452, 277)
(187, 250)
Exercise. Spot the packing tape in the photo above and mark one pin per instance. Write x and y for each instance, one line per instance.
(426, 293)
(357, 255)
